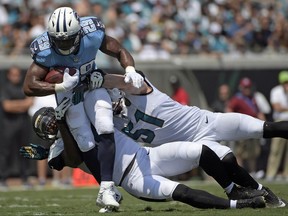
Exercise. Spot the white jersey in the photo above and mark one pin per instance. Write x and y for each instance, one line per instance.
(125, 151)
(155, 118)
(126, 148)
(146, 176)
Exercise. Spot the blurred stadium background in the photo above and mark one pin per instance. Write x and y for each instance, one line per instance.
(204, 42)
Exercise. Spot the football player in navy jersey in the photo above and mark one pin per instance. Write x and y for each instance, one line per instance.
(71, 41)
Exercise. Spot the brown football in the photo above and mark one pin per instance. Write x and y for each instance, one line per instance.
(55, 75)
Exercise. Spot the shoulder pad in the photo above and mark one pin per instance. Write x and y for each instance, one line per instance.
(39, 45)
(91, 24)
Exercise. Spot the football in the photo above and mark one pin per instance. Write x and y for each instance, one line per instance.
(55, 75)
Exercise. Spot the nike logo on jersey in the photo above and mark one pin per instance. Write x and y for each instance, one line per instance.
(148, 151)
(206, 120)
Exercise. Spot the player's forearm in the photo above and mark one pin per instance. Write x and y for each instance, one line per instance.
(34, 85)
(38, 88)
(112, 47)
(117, 81)
(126, 59)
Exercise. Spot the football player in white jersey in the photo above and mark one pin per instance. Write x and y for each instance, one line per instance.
(154, 118)
(141, 171)
(71, 41)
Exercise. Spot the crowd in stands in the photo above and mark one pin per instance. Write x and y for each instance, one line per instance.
(159, 28)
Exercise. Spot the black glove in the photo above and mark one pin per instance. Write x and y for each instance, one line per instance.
(35, 152)
(78, 94)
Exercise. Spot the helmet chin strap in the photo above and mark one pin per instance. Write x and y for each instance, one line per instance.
(66, 52)
(72, 50)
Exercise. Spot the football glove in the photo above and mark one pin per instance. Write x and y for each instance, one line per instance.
(78, 94)
(61, 109)
(69, 82)
(132, 77)
(35, 152)
(96, 80)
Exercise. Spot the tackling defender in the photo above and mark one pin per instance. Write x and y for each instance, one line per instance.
(140, 170)
(153, 117)
(74, 42)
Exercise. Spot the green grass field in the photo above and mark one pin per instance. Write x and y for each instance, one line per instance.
(81, 201)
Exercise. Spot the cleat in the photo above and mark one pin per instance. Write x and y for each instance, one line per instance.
(282, 203)
(238, 193)
(272, 200)
(108, 209)
(107, 196)
(118, 195)
(256, 202)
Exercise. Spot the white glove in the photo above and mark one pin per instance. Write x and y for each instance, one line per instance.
(96, 80)
(69, 82)
(132, 77)
(61, 109)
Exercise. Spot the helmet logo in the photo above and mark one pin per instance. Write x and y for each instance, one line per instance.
(36, 124)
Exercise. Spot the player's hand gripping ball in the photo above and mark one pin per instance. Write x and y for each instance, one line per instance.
(55, 75)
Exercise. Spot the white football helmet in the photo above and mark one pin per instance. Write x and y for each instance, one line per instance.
(64, 30)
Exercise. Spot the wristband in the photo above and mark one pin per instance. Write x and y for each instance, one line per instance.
(59, 88)
(130, 69)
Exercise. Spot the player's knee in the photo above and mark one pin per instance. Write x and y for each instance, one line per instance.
(194, 150)
(103, 104)
(159, 190)
(230, 161)
(104, 125)
(229, 158)
(104, 118)
(166, 190)
(182, 193)
(206, 156)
